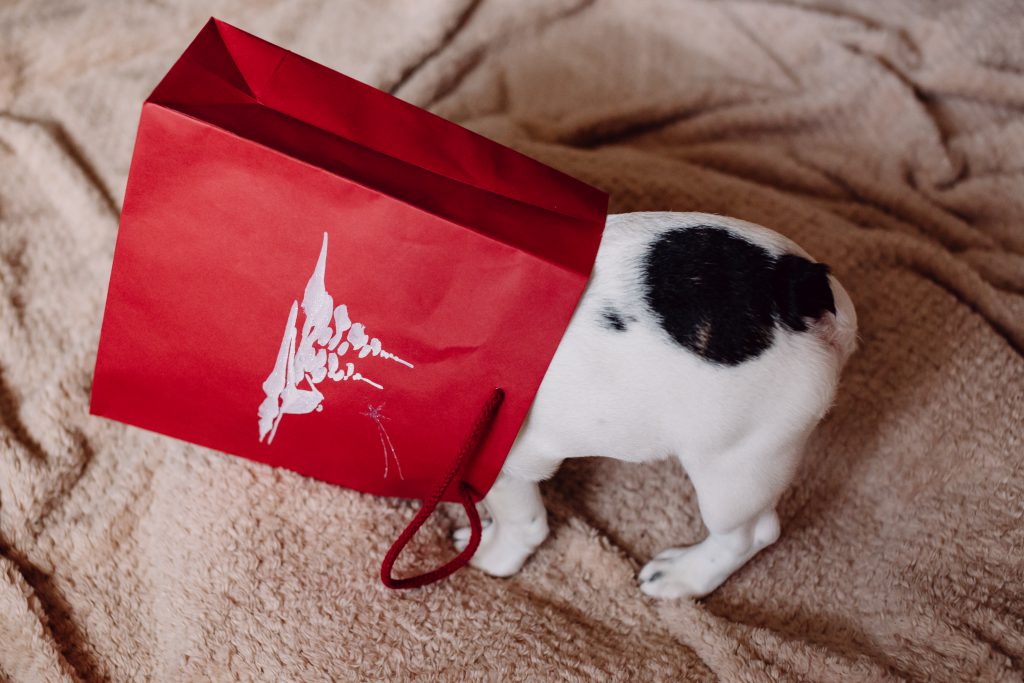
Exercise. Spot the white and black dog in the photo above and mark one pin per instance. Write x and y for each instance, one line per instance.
(709, 339)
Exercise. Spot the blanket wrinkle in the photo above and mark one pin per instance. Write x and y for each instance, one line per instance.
(885, 138)
(26, 627)
(761, 44)
(457, 26)
(54, 159)
(43, 605)
(64, 484)
(482, 34)
(59, 138)
(15, 428)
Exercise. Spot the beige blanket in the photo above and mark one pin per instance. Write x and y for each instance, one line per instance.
(887, 138)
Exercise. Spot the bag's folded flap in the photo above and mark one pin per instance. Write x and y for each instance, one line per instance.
(254, 89)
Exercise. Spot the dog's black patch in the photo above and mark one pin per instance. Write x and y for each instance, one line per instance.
(613, 320)
(721, 296)
(801, 291)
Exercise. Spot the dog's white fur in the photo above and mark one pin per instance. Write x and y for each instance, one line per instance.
(637, 395)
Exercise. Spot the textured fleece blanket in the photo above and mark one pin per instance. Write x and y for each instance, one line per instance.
(887, 138)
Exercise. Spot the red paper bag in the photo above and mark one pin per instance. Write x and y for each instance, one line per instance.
(313, 274)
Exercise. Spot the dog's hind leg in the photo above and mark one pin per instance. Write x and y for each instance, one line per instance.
(737, 493)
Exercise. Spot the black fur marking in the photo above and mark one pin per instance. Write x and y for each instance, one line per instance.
(613, 320)
(720, 296)
(801, 291)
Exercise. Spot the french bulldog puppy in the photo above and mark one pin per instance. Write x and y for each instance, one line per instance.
(699, 337)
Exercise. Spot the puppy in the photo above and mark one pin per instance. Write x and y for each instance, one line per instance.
(699, 337)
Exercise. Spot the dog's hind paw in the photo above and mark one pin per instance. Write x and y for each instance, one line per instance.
(669, 575)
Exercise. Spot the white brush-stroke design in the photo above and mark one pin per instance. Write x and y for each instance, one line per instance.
(376, 413)
(328, 334)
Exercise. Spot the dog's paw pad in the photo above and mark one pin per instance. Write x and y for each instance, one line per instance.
(666, 577)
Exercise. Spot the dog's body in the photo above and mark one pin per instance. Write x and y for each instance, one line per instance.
(705, 338)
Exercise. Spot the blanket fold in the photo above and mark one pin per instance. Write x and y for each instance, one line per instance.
(885, 138)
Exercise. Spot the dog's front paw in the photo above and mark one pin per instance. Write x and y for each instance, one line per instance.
(501, 552)
(462, 534)
(677, 573)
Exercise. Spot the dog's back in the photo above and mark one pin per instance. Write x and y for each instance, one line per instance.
(709, 339)
(695, 331)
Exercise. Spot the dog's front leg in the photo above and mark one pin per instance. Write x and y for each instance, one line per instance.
(519, 523)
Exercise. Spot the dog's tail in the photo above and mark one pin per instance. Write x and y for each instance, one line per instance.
(805, 294)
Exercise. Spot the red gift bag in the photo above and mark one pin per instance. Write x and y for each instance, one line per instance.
(313, 274)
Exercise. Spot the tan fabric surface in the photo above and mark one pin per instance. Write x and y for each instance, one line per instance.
(887, 138)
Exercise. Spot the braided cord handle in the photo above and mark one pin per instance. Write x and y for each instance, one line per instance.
(466, 496)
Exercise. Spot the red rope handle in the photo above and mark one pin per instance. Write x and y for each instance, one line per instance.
(469, 448)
